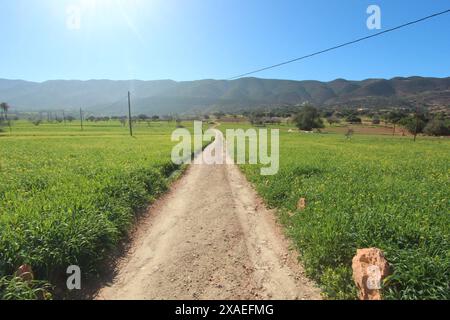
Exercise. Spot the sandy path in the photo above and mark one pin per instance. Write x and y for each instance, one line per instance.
(210, 237)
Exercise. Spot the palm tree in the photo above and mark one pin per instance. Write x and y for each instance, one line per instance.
(5, 107)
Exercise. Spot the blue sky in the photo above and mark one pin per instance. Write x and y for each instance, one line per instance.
(198, 39)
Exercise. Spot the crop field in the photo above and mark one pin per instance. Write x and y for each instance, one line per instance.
(68, 197)
(367, 191)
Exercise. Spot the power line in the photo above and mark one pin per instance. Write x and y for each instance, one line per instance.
(341, 45)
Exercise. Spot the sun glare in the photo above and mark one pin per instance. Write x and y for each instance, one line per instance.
(95, 5)
(95, 12)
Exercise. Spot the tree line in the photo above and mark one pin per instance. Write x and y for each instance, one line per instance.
(306, 117)
(416, 122)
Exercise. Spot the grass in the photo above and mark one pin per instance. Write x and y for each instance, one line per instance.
(369, 191)
(68, 197)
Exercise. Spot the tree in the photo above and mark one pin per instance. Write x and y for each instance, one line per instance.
(257, 120)
(394, 117)
(437, 127)
(308, 119)
(219, 114)
(333, 119)
(412, 123)
(376, 119)
(5, 107)
(353, 119)
(142, 117)
(155, 118)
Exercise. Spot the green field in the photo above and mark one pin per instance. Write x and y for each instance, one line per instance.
(368, 191)
(68, 197)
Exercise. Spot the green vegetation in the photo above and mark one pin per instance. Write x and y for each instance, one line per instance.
(353, 119)
(414, 123)
(438, 127)
(14, 288)
(68, 197)
(368, 191)
(308, 118)
(4, 107)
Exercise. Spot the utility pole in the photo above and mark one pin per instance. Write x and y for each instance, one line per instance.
(64, 117)
(417, 123)
(129, 114)
(81, 119)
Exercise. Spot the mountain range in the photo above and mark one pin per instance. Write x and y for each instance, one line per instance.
(160, 97)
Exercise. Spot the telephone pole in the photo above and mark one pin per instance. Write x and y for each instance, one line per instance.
(129, 114)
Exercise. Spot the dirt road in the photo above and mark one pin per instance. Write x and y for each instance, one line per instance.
(210, 237)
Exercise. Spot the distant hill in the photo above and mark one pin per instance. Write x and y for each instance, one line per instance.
(166, 96)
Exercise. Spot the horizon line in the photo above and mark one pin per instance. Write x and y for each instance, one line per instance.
(225, 80)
